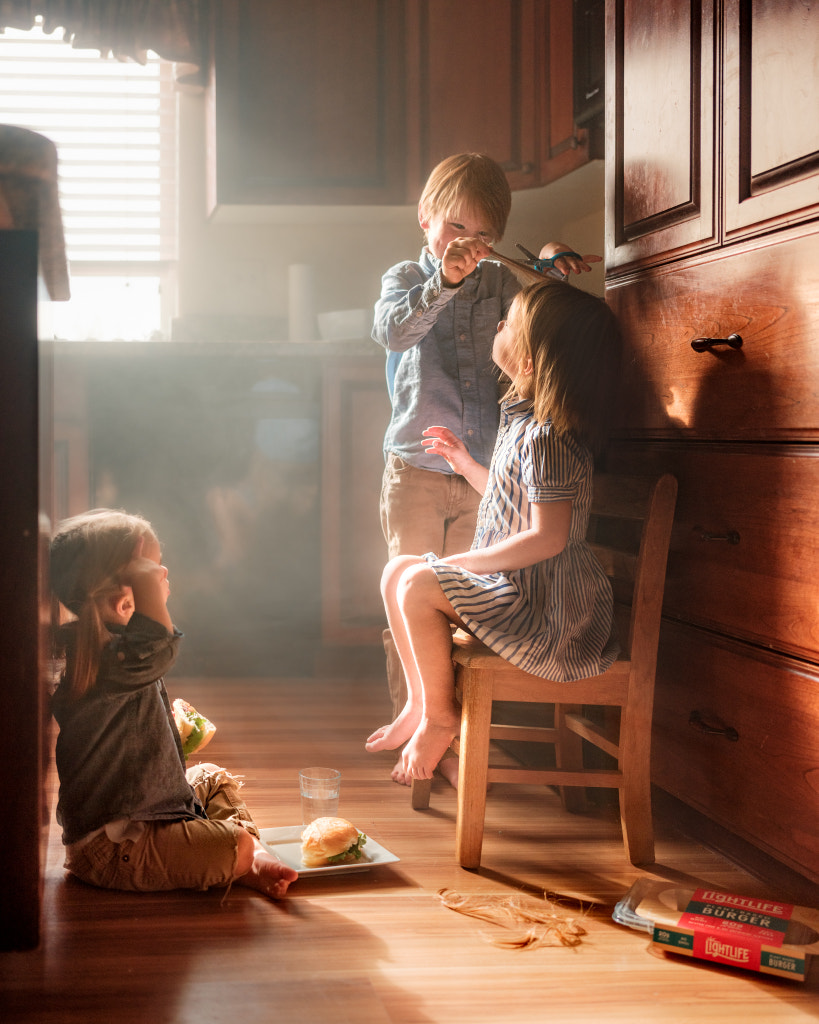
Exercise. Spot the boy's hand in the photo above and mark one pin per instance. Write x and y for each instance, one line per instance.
(461, 257)
(568, 264)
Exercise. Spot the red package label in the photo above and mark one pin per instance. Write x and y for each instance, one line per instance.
(738, 951)
(732, 919)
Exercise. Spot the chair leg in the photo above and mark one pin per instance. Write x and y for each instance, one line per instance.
(635, 804)
(569, 755)
(476, 716)
(419, 794)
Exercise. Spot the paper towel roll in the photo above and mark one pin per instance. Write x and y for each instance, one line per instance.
(302, 303)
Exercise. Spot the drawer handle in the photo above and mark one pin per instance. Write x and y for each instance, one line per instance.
(732, 537)
(698, 722)
(704, 344)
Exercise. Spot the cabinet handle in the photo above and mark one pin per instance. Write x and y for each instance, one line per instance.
(704, 344)
(696, 720)
(731, 536)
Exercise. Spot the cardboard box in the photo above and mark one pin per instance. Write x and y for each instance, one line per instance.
(764, 935)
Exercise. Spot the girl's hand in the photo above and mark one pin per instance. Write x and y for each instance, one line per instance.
(148, 580)
(568, 264)
(441, 441)
(461, 257)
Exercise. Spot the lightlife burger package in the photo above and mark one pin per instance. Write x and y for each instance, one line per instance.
(761, 935)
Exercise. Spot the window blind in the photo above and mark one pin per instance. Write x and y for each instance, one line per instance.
(114, 126)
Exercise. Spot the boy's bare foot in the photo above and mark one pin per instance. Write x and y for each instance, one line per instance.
(399, 775)
(448, 767)
(267, 874)
(428, 744)
(388, 737)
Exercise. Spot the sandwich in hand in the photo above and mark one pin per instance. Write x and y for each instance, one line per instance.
(328, 841)
(195, 730)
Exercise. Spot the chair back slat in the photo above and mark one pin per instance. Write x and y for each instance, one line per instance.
(629, 533)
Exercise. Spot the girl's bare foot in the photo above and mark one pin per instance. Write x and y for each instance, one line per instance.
(267, 874)
(388, 737)
(428, 744)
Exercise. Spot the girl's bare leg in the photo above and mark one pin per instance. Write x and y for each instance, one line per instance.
(388, 737)
(428, 618)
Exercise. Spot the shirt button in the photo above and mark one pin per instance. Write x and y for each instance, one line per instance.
(462, 337)
(469, 433)
(467, 383)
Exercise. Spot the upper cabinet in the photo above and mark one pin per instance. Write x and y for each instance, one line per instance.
(672, 99)
(306, 103)
(326, 103)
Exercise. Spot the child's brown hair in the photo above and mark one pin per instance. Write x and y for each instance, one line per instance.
(574, 342)
(87, 554)
(471, 181)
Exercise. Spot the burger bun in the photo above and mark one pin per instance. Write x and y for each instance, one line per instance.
(324, 838)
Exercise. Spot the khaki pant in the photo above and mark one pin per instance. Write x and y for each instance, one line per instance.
(422, 511)
(194, 854)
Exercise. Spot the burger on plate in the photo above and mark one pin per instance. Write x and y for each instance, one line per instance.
(195, 730)
(327, 841)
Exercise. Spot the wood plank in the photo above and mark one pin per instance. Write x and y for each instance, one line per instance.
(378, 947)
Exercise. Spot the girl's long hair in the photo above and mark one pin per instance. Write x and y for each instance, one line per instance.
(88, 553)
(574, 342)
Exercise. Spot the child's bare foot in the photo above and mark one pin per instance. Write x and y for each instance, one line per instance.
(429, 743)
(388, 737)
(448, 767)
(267, 874)
(399, 775)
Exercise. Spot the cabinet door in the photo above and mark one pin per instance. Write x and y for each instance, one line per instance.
(305, 103)
(659, 129)
(356, 412)
(565, 146)
(771, 126)
(474, 84)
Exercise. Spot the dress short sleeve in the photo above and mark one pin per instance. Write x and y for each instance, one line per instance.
(548, 465)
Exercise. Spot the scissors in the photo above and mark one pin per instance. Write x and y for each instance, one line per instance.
(542, 265)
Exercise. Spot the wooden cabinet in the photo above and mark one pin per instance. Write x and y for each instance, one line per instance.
(713, 249)
(504, 88)
(355, 414)
(306, 103)
(738, 728)
(354, 103)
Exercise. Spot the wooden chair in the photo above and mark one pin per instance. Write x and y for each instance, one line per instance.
(629, 531)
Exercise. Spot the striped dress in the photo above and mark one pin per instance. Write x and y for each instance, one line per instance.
(554, 618)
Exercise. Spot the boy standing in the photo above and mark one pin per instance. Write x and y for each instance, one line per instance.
(437, 319)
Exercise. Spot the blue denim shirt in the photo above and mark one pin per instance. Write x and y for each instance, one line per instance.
(118, 750)
(439, 355)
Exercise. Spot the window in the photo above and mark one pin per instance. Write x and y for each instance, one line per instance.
(114, 126)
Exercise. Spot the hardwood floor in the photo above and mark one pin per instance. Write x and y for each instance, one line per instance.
(378, 946)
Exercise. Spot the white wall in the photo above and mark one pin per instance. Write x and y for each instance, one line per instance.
(236, 262)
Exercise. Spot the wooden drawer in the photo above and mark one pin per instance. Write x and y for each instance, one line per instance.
(768, 389)
(762, 780)
(760, 582)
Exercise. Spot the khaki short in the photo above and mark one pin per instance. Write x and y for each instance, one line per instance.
(194, 854)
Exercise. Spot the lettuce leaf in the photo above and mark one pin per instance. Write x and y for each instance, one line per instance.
(354, 853)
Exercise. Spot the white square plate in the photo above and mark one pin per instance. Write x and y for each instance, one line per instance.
(285, 843)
